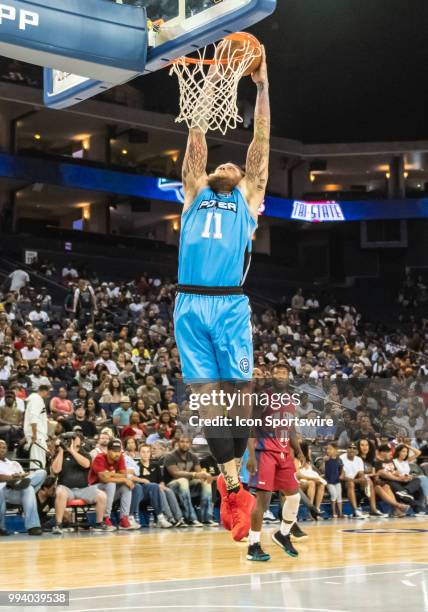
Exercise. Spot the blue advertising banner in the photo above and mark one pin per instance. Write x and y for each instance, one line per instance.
(123, 183)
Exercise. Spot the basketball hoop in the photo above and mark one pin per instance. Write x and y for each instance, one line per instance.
(209, 85)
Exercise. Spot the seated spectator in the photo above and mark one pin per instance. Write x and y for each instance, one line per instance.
(80, 419)
(107, 361)
(365, 430)
(108, 471)
(407, 489)
(404, 456)
(19, 488)
(60, 405)
(69, 273)
(112, 394)
(135, 429)
(305, 406)
(46, 502)
(38, 378)
(130, 448)
(95, 412)
(150, 394)
(127, 376)
(310, 480)
(71, 465)
(184, 475)
(63, 372)
(366, 450)
(122, 414)
(144, 493)
(168, 422)
(104, 438)
(147, 415)
(30, 352)
(298, 301)
(152, 469)
(38, 316)
(353, 476)
(11, 420)
(160, 435)
(350, 402)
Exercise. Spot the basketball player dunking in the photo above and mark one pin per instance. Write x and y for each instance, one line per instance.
(212, 314)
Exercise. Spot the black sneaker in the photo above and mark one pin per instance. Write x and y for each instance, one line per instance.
(285, 543)
(296, 532)
(405, 495)
(256, 553)
(4, 532)
(35, 531)
(100, 527)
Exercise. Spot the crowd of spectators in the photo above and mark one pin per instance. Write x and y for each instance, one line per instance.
(96, 382)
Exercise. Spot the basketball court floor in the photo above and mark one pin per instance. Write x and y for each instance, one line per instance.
(344, 565)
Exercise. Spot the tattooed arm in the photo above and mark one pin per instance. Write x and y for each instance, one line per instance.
(194, 166)
(257, 167)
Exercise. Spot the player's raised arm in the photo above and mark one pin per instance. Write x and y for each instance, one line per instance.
(194, 173)
(257, 166)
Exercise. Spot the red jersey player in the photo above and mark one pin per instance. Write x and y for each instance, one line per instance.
(271, 465)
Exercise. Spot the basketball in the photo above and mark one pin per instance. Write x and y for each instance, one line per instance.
(237, 48)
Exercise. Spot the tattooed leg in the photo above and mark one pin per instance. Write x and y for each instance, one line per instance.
(230, 473)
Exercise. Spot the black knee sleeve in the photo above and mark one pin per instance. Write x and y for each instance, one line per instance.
(221, 443)
(240, 439)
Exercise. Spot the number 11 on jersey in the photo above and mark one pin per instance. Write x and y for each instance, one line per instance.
(217, 226)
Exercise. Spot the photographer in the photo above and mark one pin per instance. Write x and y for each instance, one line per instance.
(71, 464)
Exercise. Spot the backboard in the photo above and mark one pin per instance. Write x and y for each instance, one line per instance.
(180, 27)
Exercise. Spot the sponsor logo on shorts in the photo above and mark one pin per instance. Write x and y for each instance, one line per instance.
(244, 365)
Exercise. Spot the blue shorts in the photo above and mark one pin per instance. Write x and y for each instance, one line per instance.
(214, 337)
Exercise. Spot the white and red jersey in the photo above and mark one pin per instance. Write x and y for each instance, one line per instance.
(275, 438)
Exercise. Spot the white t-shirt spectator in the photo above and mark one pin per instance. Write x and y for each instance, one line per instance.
(4, 372)
(36, 381)
(136, 308)
(351, 468)
(30, 354)
(110, 365)
(19, 278)
(36, 316)
(20, 404)
(312, 303)
(36, 413)
(69, 272)
(402, 466)
(351, 403)
(7, 468)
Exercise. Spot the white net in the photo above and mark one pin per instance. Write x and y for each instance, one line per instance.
(209, 88)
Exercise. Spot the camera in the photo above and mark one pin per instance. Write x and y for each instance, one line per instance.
(66, 439)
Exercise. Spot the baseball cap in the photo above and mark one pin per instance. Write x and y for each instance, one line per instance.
(125, 399)
(114, 444)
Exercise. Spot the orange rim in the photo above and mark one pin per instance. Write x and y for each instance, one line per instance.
(244, 37)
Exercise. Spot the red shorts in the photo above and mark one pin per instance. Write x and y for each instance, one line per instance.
(275, 472)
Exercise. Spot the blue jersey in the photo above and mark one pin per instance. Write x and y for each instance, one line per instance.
(216, 232)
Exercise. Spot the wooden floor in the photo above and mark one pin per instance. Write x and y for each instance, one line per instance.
(72, 561)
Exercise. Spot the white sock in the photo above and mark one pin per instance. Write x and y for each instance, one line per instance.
(254, 537)
(289, 512)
